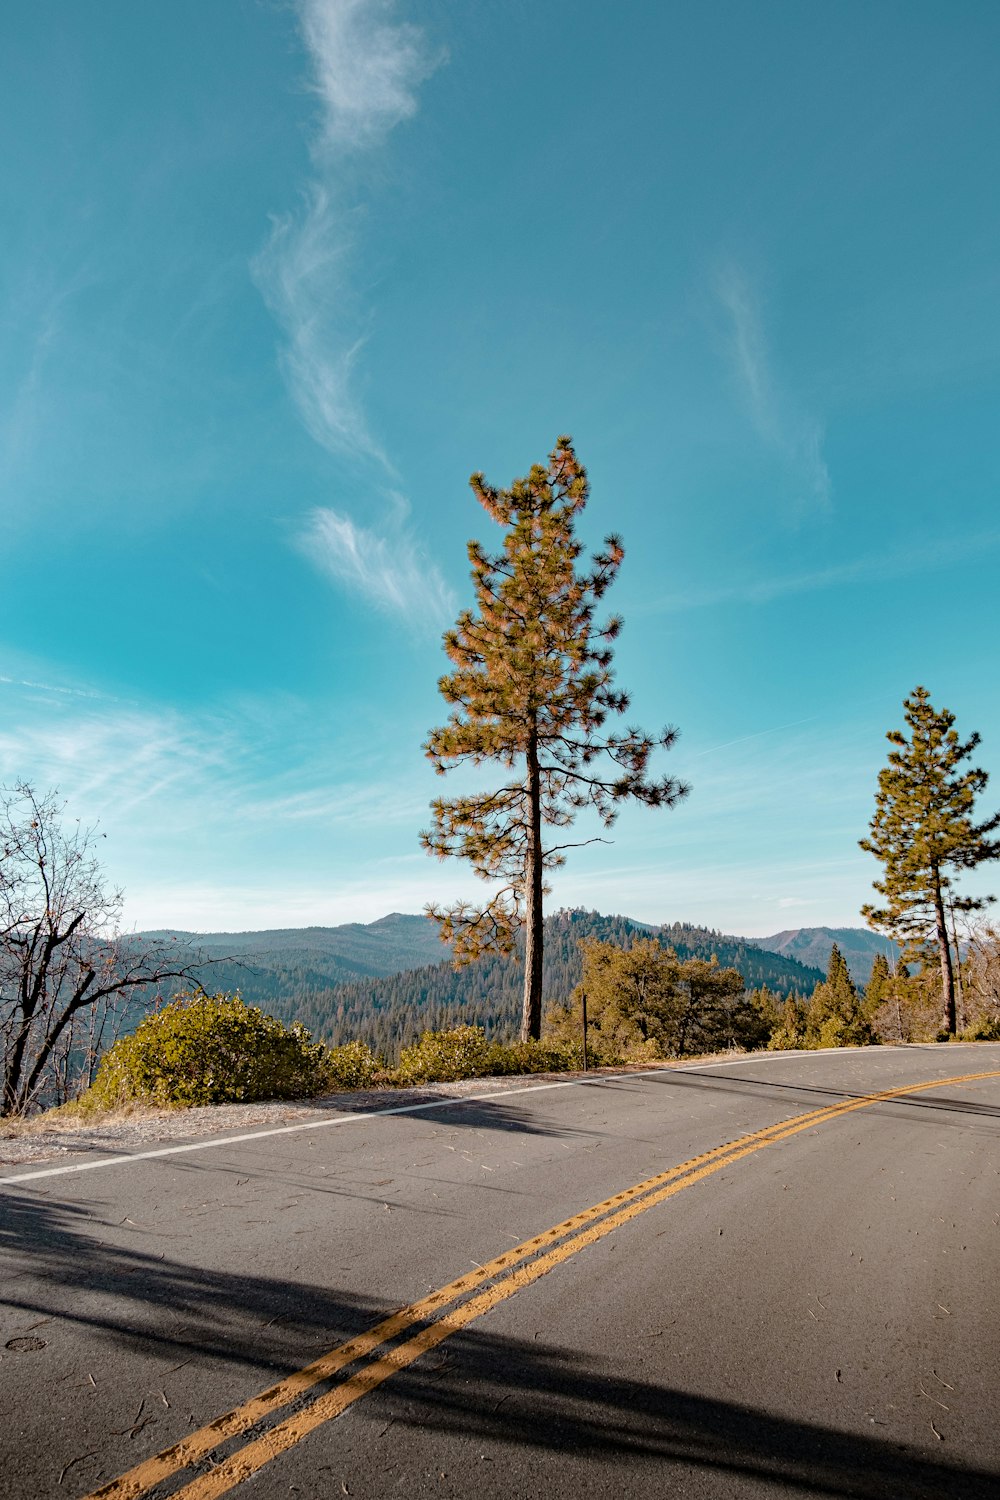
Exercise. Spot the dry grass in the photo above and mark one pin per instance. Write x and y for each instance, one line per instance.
(71, 1117)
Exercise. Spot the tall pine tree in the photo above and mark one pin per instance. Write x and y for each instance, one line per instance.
(531, 689)
(924, 831)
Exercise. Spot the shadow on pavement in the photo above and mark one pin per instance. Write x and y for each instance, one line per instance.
(520, 1394)
(55, 1264)
(458, 1111)
(524, 1395)
(921, 1104)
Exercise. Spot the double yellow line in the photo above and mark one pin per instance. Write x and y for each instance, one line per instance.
(443, 1313)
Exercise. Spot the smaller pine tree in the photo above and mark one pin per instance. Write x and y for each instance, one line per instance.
(878, 983)
(925, 833)
(790, 1033)
(755, 1016)
(836, 1016)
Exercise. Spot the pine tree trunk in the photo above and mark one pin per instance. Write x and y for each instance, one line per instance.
(948, 1018)
(531, 1014)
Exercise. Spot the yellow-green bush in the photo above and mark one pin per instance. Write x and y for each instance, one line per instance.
(465, 1052)
(536, 1057)
(443, 1056)
(353, 1066)
(985, 1028)
(210, 1049)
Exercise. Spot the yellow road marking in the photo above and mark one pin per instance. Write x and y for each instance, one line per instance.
(575, 1233)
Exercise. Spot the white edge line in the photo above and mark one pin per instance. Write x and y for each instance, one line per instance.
(411, 1109)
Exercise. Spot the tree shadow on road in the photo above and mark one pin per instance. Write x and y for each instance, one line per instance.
(655, 1438)
(57, 1265)
(478, 1386)
(920, 1105)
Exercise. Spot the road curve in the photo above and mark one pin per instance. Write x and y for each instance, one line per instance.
(769, 1277)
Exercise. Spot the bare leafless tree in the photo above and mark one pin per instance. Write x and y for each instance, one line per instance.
(983, 976)
(66, 968)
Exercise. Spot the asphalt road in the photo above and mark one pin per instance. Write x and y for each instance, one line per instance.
(811, 1311)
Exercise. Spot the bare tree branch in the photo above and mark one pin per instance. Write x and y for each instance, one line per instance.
(62, 953)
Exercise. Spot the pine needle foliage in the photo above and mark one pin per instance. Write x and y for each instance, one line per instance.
(645, 1002)
(836, 1016)
(789, 1034)
(878, 983)
(531, 689)
(924, 832)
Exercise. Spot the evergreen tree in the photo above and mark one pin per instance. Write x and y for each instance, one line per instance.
(922, 830)
(756, 1015)
(633, 1000)
(708, 1019)
(878, 983)
(645, 1000)
(836, 1017)
(789, 1034)
(532, 688)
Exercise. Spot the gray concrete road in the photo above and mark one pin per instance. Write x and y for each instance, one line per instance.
(811, 1312)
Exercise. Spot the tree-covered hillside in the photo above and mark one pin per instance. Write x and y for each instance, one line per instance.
(269, 965)
(391, 1012)
(813, 945)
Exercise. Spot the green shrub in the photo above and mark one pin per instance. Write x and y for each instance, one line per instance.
(790, 1032)
(536, 1057)
(210, 1049)
(446, 1056)
(986, 1028)
(353, 1066)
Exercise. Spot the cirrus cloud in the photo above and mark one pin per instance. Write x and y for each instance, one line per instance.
(779, 418)
(365, 68)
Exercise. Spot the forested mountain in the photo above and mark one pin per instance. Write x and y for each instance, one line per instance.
(385, 982)
(812, 945)
(269, 965)
(393, 1011)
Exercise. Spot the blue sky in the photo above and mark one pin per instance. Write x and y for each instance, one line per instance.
(277, 277)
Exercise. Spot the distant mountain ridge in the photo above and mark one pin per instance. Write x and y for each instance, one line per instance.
(261, 964)
(388, 980)
(391, 1012)
(812, 945)
(400, 941)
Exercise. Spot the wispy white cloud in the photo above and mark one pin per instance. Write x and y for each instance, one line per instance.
(247, 814)
(62, 689)
(365, 69)
(781, 422)
(353, 804)
(304, 275)
(386, 567)
(227, 768)
(111, 759)
(25, 411)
